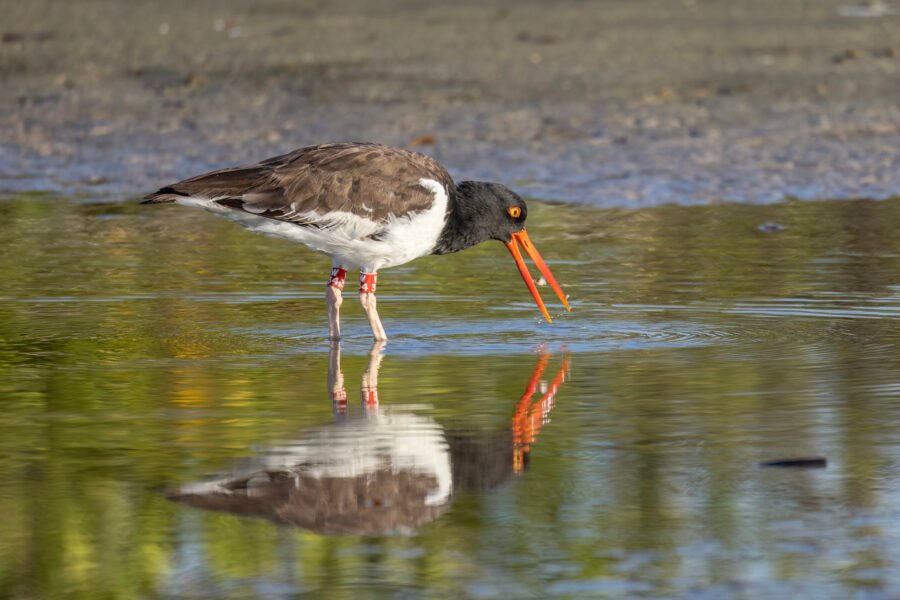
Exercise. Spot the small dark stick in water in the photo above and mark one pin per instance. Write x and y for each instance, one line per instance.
(797, 463)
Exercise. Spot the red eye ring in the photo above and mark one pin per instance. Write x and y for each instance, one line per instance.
(514, 211)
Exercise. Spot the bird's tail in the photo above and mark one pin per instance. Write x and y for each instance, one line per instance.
(224, 183)
(163, 195)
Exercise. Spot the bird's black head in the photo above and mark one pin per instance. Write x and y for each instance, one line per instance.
(501, 211)
(481, 211)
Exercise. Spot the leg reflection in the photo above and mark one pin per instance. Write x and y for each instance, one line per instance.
(368, 388)
(336, 390)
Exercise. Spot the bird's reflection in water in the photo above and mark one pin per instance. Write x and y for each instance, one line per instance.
(386, 470)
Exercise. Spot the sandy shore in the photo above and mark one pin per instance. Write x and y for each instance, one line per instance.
(614, 103)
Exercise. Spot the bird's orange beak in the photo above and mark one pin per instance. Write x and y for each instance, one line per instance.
(525, 242)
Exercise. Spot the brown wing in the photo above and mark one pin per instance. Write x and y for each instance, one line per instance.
(368, 180)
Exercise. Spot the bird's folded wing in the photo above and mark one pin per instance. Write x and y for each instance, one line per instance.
(321, 185)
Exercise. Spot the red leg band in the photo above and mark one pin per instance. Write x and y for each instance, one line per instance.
(367, 283)
(339, 401)
(338, 276)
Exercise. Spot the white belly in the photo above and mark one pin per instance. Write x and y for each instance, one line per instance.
(345, 237)
(389, 440)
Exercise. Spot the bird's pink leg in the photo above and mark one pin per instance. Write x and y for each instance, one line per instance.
(367, 298)
(333, 300)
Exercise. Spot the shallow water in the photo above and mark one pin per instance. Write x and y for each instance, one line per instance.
(158, 362)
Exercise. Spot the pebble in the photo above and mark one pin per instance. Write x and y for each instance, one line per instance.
(849, 54)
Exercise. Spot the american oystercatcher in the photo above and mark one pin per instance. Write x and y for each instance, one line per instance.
(368, 207)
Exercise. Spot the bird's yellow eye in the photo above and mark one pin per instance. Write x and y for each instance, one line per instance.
(514, 211)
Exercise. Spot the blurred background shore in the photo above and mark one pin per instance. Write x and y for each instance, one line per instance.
(616, 103)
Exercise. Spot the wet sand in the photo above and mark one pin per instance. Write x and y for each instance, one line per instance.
(613, 103)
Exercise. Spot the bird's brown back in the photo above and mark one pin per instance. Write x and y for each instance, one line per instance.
(368, 180)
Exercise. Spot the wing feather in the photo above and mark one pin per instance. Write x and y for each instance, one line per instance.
(313, 186)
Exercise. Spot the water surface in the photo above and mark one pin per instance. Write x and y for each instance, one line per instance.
(145, 350)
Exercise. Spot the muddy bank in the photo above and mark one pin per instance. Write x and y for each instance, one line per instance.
(613, 103)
